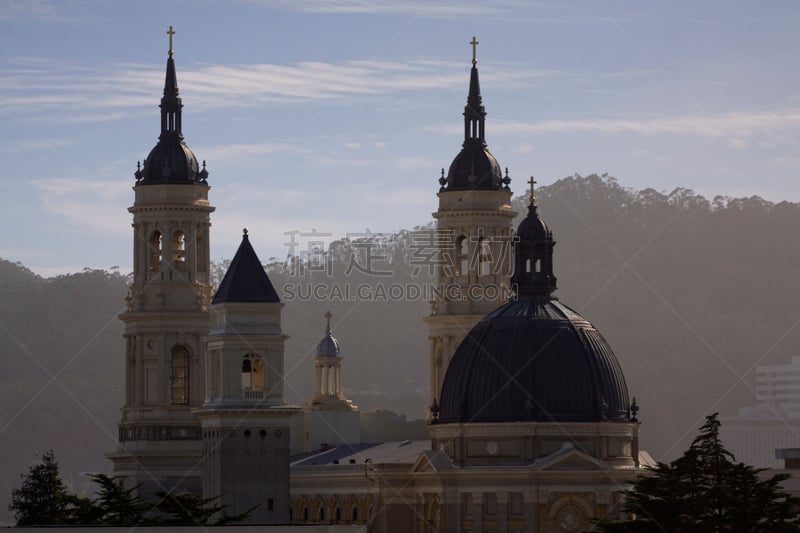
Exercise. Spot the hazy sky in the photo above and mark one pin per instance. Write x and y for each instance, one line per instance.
(337, 115)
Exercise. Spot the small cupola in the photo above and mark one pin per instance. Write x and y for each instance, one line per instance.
(533, 254)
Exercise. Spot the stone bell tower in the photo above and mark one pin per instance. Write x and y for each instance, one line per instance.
(167, 311)
(245, 419)
(474, 238)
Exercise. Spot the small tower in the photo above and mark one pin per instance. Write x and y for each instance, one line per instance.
(331, 418)
(245, 420)
(474, 235)
(167, 311)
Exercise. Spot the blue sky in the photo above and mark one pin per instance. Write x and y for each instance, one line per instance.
(338, 115)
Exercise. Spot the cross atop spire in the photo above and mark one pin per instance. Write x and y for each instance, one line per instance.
(328, 316)
(170, 32)
(532, 198)
(473, 42)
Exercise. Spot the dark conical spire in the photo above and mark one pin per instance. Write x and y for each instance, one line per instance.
(171, 161)
(171, 104)
(246, 281)
(474, 167)
(474, 112)
(533, 254)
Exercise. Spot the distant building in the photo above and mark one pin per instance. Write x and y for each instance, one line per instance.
(772, 423)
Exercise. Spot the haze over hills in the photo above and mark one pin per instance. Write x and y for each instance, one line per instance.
(691, 293)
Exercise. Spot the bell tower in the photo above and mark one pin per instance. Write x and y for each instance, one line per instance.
(474, 239)
(245, 420)
(167, 311)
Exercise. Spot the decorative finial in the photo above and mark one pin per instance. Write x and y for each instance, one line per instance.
(328, 316)
(474, 44)
(532, 198)
(634, 410)
(170, 33)
(244, 232)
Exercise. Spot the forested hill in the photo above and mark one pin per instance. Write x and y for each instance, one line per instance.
(691, 293)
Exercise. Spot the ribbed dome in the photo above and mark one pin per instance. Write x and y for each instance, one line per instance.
(534, 359)
(474, 168)
(532, 227)
(328, 346)
(170, 161)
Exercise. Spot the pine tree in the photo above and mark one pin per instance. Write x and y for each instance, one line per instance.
(42, 499)
(706, 491)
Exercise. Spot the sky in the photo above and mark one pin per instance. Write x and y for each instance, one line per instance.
(335, 117)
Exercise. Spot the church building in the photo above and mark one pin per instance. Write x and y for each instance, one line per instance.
(531, 425)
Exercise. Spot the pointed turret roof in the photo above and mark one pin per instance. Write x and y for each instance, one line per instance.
(246, 281)
(474, 167)
(171, 160)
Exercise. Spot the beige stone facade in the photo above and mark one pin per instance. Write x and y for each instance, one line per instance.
(474, 234)
(165, 322)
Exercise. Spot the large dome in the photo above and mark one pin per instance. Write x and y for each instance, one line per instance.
(534, 359)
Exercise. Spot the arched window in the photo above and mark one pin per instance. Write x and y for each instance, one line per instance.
(305, 514)
(179, 378)
(462, 255)
(354, 515)
(528, 266)
(322, 514)
(178, 249)
(252, 372)
(155, 251)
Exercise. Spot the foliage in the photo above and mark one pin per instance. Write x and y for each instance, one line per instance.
(190, 509)
(706, 491)
(43, 500)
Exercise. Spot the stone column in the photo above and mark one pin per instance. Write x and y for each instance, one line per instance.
(530, 503)
(502, 511)
(477, 512)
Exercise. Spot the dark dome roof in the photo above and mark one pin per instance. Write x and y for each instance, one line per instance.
(533, 228)
(328, 346)
(170, 161)
(474, 168)
(534, 359)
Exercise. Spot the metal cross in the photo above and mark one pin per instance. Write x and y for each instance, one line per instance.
(170, 33)
(474, 44)
(328, 316)
(533, 194)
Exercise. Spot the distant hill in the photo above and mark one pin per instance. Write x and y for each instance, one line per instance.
(691, 293)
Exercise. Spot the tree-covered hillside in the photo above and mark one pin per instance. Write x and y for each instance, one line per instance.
(691, 293)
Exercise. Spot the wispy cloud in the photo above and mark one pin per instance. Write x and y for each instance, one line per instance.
(93, 205)
(16, 147)
(31, 86)
(427, 8)
(737, 128)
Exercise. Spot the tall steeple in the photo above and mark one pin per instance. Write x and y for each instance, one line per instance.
(171, 160)
(474, 238)
(474, 112)
(171, 104)
(167, 313)
(474, 167)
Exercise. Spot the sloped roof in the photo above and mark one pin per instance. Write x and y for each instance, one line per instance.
(246, 280)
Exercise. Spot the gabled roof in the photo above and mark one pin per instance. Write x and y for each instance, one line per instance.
(246, 281)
